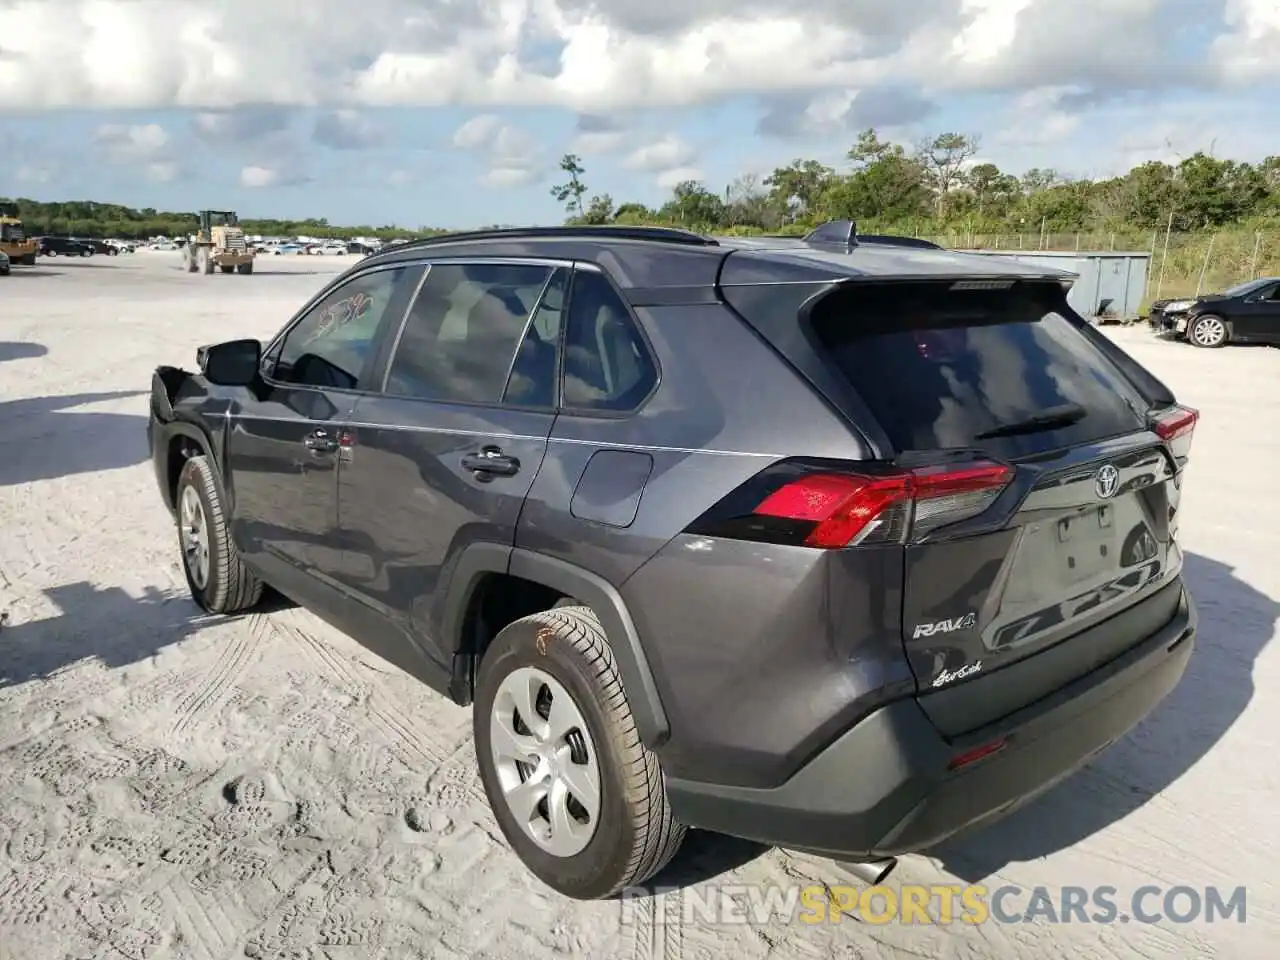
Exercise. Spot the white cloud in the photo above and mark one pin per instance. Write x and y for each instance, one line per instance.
(125, 143)
(258, 177)
(163, 171)
(1248, 51)
(347, 130)
(667, 153)
(41, 175)
(478, 132)
(598, 55)
(514, 157)
(668, 179)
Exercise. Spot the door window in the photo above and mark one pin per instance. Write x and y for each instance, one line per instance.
(459, 342)
(606, 364)
(332, 344)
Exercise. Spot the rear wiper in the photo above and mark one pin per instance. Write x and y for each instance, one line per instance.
(1050, 419)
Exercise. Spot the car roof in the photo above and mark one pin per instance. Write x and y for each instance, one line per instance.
(664, 258)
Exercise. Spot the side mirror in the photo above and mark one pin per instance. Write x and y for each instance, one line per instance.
(231, 364)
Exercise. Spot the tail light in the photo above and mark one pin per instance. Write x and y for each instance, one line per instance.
(1176, 426)
(830, 509)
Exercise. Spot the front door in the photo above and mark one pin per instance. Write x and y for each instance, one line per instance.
(445, 454)
(1257, 320)
(284, 436)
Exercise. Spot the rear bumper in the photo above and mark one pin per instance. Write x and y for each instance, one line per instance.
(884, 788)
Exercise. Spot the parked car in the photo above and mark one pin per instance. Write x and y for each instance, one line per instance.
(838, 592)
(1246, 313)
(4, 264)
(101, 246)
(64, 247)
(288, 248)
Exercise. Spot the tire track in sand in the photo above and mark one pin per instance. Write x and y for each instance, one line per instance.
(228, 667)
(396, 727)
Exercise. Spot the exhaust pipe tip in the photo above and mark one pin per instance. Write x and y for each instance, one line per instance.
(872, 872)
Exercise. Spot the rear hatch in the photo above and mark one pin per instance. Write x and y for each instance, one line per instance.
(1068, 515)
(1030, 475)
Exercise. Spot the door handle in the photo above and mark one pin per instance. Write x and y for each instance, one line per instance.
(491, 462)
(320, 442)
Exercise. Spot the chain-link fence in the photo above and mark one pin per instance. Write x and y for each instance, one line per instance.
(1182, 264)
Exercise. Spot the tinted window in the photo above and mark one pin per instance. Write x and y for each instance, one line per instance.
(939, 367)
(606, 365)
(459, 342)
(331, 344)
(533, 374)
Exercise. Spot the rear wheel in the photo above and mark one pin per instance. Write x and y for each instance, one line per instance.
(245, 268)
(29, 260)
(204, 260)
(577, 795)
(218, 580)
(228, 268)
(86, 253)
(1208, 331)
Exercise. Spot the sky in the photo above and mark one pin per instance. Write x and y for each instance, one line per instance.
(455, 113)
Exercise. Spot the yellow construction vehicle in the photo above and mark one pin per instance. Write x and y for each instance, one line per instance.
(13, 237)
(218, 243)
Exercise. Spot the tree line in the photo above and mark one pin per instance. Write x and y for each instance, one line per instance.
(935, 187)
(932, 187)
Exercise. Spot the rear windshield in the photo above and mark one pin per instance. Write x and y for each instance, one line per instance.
(938, 366)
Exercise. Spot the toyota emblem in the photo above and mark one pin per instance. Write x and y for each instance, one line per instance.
(1106, 482)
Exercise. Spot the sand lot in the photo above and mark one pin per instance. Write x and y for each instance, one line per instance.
(178, 787)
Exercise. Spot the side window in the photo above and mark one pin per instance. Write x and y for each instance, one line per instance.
(459, 342)
(533, 373)
(1274, 295)
(606, 365)
(332, 343)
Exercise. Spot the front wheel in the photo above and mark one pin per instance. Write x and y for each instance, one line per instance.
(1207, 331)
(577, 795)
(218, 580)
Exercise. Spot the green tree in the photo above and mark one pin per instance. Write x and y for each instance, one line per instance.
(571, 192)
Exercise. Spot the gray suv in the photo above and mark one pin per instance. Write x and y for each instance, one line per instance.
(842, 544)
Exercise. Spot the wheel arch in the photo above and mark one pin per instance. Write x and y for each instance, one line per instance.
(480, 561)
(184, 441)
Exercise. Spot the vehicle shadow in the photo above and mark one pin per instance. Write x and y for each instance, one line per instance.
(105, 624)
(1236, 622)
(25, 272)
(13, 350)
(47, 440)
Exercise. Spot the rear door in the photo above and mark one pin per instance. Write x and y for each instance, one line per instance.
(1080, 500)
(443, 455)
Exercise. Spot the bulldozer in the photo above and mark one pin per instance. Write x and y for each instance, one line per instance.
(218, 243)
(13, 238)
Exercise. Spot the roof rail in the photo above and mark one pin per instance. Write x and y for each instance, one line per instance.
(607, 232)
(892, 241)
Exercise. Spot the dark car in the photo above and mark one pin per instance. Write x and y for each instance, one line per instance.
(834, 544)
(102, 246)
(1246, 313)
(64, 247)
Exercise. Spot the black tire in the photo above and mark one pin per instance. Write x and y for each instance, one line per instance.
(636, 834)
(1219, 337)
(229, 586)
(86, 253)
(228, 268)
(29, 260)
(113, 252)
(50, 252)
(245, 269)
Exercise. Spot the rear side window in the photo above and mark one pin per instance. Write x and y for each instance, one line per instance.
(940, 367)
(606, 365)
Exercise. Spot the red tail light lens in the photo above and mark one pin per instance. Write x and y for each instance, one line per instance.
(1176, 426)
(830, 509)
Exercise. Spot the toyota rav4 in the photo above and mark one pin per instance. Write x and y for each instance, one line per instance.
(841, 544)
